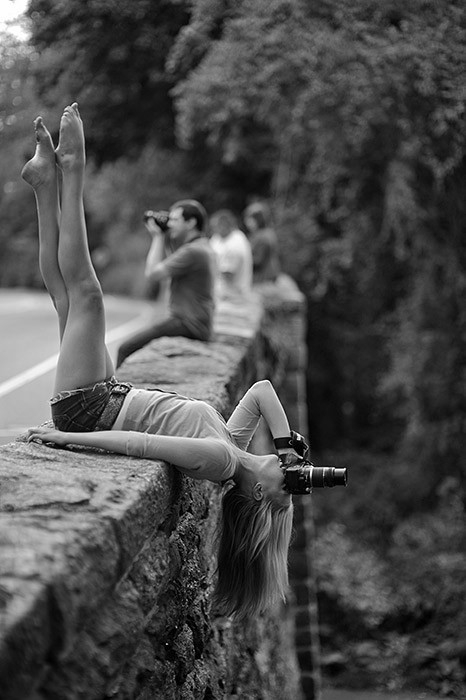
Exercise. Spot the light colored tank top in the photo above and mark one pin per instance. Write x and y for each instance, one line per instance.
(163, 413)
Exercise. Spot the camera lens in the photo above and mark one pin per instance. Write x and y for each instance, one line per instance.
(340, 476)
(303, 476)
(329, 477)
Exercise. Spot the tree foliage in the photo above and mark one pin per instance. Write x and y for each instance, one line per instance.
(356, 110)
(110, 56)
(18, 239)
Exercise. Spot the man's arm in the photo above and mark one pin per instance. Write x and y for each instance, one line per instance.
(155, 269)
(176, 264)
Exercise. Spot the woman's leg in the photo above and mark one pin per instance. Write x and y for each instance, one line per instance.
(83, 359)
(41, 173)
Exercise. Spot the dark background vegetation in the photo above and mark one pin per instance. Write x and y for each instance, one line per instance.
(348, 117)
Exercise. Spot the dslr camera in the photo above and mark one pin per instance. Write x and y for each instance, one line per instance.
(159, 217)
(302, 476)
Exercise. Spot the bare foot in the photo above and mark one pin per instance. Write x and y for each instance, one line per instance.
(70, 151)
(41, 169)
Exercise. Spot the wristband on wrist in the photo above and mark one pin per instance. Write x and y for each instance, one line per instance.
(295, 442)
(283, 443)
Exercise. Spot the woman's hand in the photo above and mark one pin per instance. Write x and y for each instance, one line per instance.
(289, 457)
(48, 435)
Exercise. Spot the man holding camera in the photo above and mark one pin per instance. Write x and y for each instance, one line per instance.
(188, 265)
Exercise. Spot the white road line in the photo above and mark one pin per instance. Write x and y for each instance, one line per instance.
(28, 376)
(50, 363)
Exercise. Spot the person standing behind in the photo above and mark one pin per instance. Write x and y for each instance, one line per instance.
(190, 268)
(234, 256)
(264, 244)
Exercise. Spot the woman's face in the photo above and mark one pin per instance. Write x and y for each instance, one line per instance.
(272, 479)
(251, 224)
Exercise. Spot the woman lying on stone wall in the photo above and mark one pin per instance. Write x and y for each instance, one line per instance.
(92, 408)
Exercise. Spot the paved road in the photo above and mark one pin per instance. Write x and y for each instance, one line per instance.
(29, 347)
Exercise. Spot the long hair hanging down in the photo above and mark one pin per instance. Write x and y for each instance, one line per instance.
(253, 554)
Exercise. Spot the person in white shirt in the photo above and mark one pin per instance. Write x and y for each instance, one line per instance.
(234, 256)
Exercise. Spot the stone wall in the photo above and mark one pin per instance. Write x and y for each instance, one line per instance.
(286, 323)
(107, 562)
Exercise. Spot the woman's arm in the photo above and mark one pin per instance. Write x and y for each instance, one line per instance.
(260, 400)
(113, 441)
(271, 408)
(207, 458)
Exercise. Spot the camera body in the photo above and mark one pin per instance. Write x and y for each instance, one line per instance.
(159, 217)
(302, 476)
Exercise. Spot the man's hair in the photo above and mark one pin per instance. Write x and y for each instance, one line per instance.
(253, 554)
(192, 209)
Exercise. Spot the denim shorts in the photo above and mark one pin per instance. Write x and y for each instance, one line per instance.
(78, 410)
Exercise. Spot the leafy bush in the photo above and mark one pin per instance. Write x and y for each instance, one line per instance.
(391, 584)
